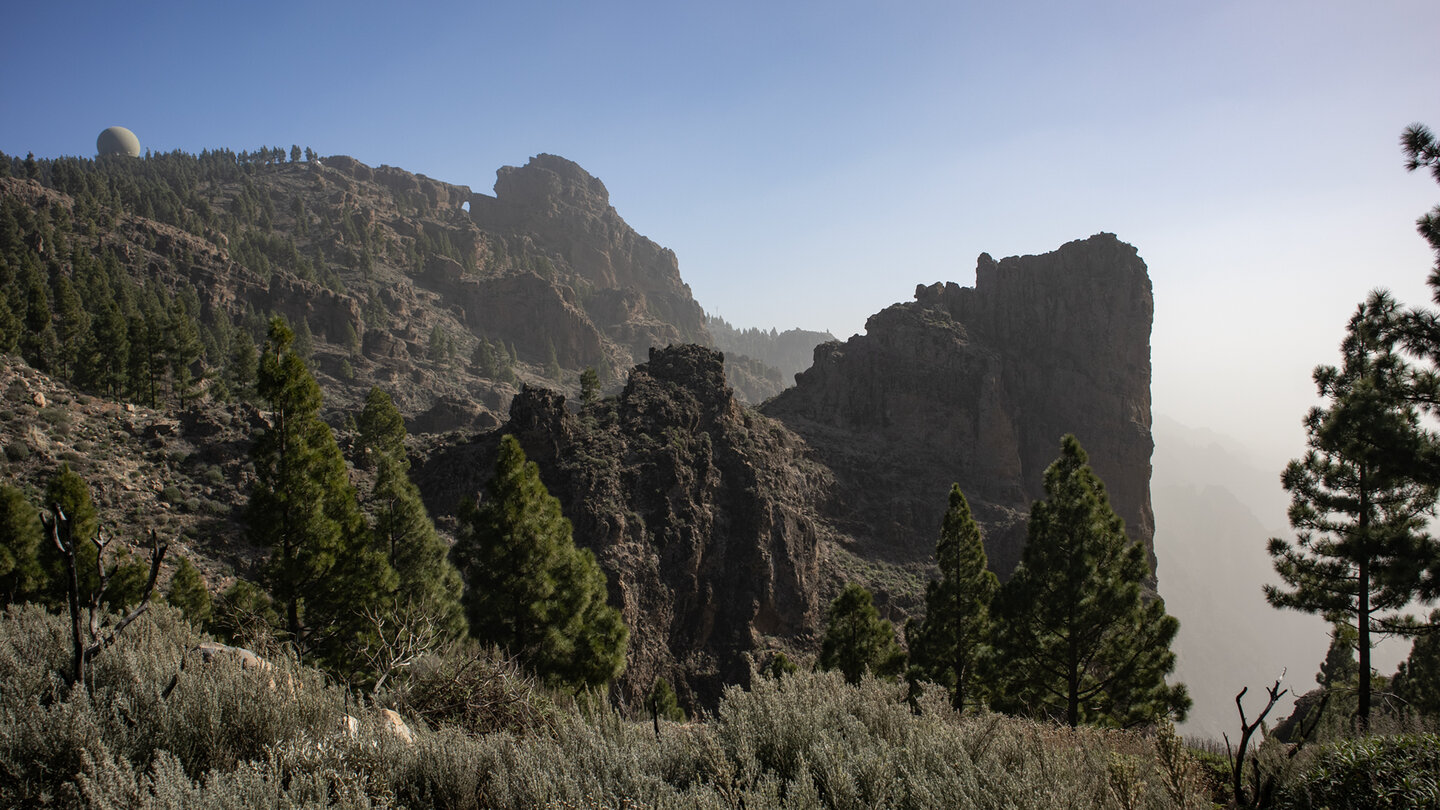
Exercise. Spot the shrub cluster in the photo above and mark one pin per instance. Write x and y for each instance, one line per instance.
(1377, 772)
(157, 726)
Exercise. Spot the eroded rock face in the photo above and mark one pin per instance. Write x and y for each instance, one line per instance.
(699, 510)
(635, 295)
(977, 386)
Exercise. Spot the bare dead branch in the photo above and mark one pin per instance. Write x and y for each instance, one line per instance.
(157, 554)
(60, 534)
(403, 635)
(1247, 730)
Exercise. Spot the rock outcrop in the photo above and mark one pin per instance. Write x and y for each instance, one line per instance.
(976, 386)
(699, 510)
(629, 286)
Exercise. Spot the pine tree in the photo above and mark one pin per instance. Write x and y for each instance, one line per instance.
(1359, 505)
(20, 536)
(73, 333)
(663, 703)
(528, 589)
(71, 494)
(857, 639)
(589, 387)
(323, 567)
(111, 352)
(1074, 639)
(552, 363)
(243, 365)
(38, 343)
(381, 428)
(1417, 682)
(245, 615)
(188, 592)
(427, 581)
(944, 647)
(184, 349)
(10, 326)
(1339, 667)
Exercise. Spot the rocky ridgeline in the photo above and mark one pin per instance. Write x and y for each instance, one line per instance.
(977, 386)
(723, 529)
(383, 261)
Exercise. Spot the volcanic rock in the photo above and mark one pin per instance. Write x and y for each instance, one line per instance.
(976, 386)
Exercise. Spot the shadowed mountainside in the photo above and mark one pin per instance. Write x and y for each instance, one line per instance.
(977, 386)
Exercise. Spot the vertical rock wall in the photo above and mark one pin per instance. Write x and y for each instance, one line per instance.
(977, 386)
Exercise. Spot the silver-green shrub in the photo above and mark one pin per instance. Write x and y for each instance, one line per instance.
(275, 736)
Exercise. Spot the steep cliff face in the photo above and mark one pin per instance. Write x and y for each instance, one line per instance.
(976, 386)
(701, 512)
(628, 285)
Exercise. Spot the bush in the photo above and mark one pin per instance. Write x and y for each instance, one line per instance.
(278, 735)
(216, 717)
(1376, 772)
(476, 690)
(59, 418)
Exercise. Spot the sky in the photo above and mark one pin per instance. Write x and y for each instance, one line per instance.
(810, 163)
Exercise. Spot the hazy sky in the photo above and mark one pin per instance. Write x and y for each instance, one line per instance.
(811, 162)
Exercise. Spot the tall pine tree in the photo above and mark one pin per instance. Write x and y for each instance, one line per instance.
(945, 646)
(324, 568)
(528, 589)
(1075, 640)
(1417, 682)
(426, 579)
(1359, 505)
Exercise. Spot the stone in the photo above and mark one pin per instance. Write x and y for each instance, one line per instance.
(976, 386)
(393, 723)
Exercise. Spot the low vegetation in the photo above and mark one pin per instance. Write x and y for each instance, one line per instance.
(157, 726)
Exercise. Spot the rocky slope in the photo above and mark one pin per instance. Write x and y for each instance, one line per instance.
(397, 276)
(976, 386)
(185, 475)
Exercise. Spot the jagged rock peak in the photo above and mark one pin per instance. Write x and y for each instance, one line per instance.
(548, 179)
(687, 372)
(695, 367)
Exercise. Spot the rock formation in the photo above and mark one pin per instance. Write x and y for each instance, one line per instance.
(628, 286)
(723, 529)
(976, 386)
(700, 511)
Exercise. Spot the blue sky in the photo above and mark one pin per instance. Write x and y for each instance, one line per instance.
(810, 163)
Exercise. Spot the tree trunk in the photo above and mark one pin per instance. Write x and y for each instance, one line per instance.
(1362, 624)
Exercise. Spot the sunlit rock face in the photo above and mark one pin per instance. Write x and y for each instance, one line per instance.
(628, 286)
(976, 386)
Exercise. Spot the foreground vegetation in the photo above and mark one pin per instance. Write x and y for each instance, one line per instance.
(276, 735)
(157, 726)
